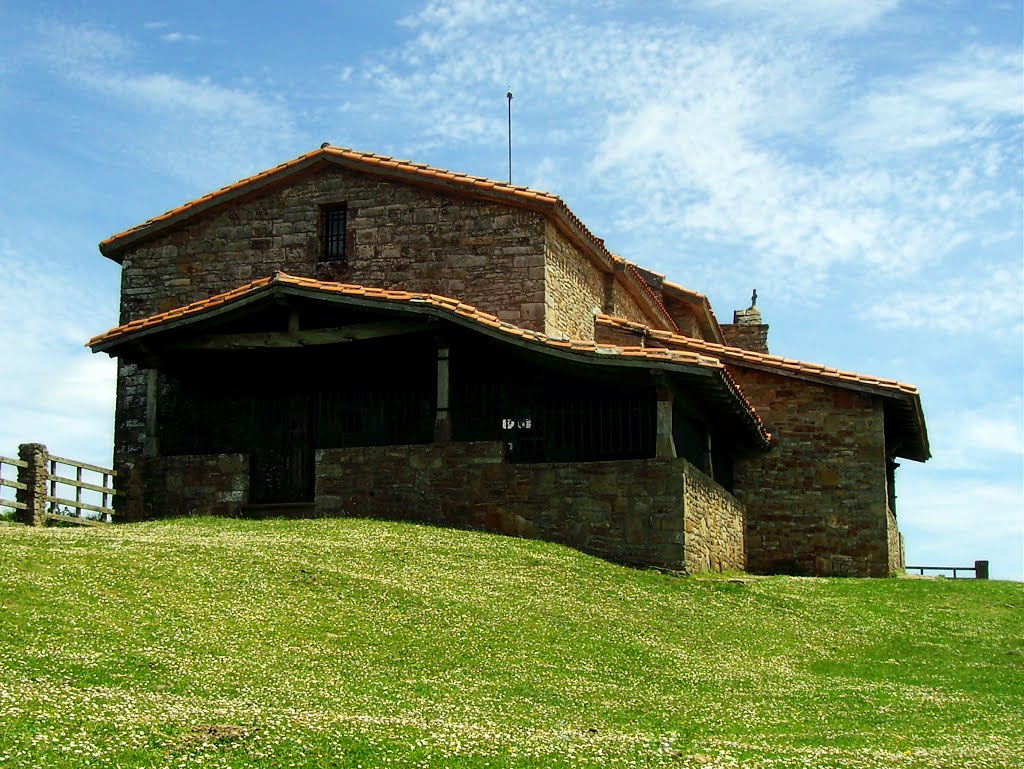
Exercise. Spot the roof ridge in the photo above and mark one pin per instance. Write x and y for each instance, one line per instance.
(419, 169)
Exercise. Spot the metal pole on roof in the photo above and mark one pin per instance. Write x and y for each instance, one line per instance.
(509, 95)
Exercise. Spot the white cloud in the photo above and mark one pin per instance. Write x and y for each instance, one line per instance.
(54, 391)
(179, 37)
(191, 127)
(954, 522)
(769, 147)
(979, 437)
(955, 102)
(835, 17)
(991, 297)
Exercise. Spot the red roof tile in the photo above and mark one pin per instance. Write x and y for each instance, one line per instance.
(112, 245)
(740, 356)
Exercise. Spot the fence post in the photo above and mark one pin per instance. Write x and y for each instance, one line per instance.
(981, 569)
(34, 476)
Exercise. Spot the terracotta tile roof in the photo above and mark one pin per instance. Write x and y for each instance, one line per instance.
(343, 156)
(740, 356)
(365, 161)
(450, 306)
(405, 170)
(903, 402)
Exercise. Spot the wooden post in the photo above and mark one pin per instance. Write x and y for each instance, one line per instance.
(665, 445)
(981, 569)
(151, 444)
(709, 465)
(442, 422)
(34, 476)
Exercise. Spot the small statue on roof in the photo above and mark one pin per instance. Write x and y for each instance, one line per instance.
(753, 298)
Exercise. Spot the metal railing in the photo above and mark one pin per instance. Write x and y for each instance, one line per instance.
(980, 570)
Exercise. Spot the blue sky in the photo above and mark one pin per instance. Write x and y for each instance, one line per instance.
(858, 161)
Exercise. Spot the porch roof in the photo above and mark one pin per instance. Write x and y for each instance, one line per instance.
(708, 372)
(902, 400)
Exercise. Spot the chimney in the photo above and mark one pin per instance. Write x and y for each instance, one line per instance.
(746, 330)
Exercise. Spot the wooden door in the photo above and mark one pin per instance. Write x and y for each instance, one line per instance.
(281, 463)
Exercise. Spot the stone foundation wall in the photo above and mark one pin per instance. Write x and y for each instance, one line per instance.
(714, 526)
(816, 502)
(198, 484)
(630, 511)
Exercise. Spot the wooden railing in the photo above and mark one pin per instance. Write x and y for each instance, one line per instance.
(51, 488)
(56, 504)
(14, 467)
(980, 570)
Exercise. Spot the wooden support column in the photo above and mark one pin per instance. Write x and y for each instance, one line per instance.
(151, 444)
(709, 465)
(665, 446)
(442, 422)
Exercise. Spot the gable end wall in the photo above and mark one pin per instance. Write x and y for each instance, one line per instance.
(576, 289)
(816, 502)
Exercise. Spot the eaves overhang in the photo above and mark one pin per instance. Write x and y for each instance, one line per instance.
(902, 402)
(706, 372)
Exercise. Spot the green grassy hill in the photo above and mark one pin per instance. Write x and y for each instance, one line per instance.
(353, 643)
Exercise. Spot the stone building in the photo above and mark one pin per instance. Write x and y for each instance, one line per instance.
(349, 334)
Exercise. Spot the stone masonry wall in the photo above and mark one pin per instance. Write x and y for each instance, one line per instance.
(895, 540)
(207, 484)
(574, 288)
(688, 326)
(400, 237)
(629, 511)
(747, 337)
(625, 306)
(714, 526)
(816, 502)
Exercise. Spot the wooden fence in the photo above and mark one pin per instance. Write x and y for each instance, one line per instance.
(980, 570)
(15, 465)
(50, 488)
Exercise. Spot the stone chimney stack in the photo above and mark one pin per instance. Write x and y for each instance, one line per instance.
(747, 330)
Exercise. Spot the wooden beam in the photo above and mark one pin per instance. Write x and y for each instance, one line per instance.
(665, 445)
(297, 338)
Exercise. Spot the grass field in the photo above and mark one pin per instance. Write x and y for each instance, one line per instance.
(353, 643)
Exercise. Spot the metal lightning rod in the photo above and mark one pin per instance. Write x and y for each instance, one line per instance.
(509, 95)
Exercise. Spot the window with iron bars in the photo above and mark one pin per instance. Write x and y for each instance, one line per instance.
(335, 218)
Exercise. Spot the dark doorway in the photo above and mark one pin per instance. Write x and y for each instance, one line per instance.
(281, 461)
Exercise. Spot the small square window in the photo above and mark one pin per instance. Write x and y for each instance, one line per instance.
(334, 230)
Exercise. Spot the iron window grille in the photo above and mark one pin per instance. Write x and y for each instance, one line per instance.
(335, 219)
